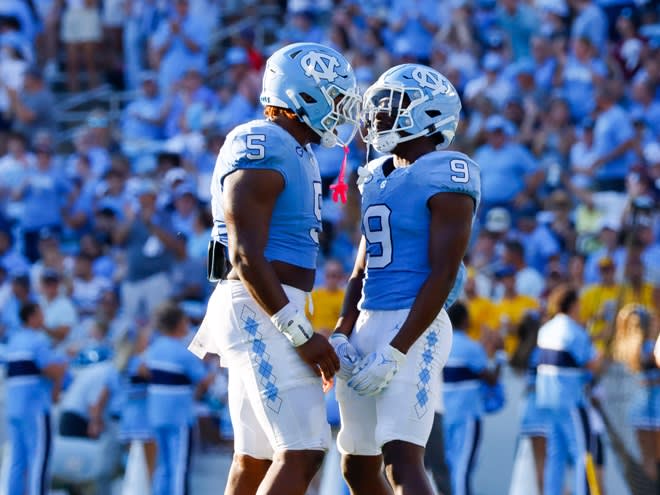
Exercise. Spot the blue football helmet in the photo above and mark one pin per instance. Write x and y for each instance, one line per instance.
(318, 84)
(421, 101)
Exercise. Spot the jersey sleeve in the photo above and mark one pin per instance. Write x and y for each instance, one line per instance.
(258, 147)
(450, 172)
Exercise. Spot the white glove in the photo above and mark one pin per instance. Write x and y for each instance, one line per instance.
(293, 324)
(347, 354)
(375, 371)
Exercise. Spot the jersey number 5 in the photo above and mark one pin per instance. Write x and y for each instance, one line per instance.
(377, 231)
(255, 144)
(461, 171)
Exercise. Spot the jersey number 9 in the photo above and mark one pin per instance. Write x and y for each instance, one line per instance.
(377, 231)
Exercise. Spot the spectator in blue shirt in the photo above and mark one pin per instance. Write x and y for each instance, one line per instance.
(179, 42)
(416, 22)
(518, 20)
(511, 176)
(613, 142)
(176, 378)
(648, 104)
(590, 22)
(42, 193)
(34, 378)
(579, 75)
(20, 294)
(144, 117)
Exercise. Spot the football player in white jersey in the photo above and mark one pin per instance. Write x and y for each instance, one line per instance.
(266, 192)
(393, 337)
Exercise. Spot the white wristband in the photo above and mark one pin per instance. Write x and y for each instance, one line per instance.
(293, 324)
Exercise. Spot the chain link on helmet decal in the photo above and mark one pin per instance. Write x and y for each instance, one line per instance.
(320, 66)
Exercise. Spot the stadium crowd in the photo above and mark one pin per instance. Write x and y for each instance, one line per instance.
(561, 109)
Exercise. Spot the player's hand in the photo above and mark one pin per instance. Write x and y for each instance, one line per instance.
(347, 354)
(375, 371)
(320, 355)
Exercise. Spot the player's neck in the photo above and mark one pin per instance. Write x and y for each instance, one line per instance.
(408, 152)
(300, 132)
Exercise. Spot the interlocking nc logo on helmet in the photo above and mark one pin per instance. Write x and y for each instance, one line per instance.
(320, 66)
(430, 79)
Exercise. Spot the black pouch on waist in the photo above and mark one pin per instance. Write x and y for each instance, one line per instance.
(216, 262)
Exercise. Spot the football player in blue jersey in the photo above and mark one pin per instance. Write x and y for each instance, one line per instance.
(393, 336)
(266, 201)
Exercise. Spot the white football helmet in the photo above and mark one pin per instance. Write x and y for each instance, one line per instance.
(421, 101)
(318, 84)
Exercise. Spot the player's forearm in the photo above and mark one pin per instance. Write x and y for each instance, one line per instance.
(349, 311)
(260, 279)
(426, 307)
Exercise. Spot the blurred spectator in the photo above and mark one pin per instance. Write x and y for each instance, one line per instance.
(141, 19)
(87, 287)
(598, 303)
(191, 106)
(19, 295)
(518, 20)
(482, 310)
(613, 140)
(326, 300)
(628, 48)
(490, 84)
(85, 405)
(608, 235)
(11, 259)
(42, 193)
(583, 156)
(413, 24)
(579, 73)
(511, 308)
(81, 33)
(180, 42)
(590, 22)
(144, 117)
(647, 104)
(151, 249)
(60, 315)
(512, 176)
(34, 106)
(529, 282)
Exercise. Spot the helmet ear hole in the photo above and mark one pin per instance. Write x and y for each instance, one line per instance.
(433, 113)
(307, 98)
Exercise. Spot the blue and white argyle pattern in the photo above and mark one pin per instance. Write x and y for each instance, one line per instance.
(261, 360)
(424, 375)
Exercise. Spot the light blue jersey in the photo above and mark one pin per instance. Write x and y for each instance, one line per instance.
(28, 391)
(174, 373)
(461, 381)
(396, 223)
(28, 403)
(564, 350)
(296, 220)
